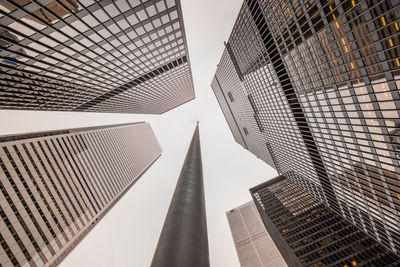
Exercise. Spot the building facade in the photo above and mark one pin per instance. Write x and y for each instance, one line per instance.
(184, 239)
(55, 186)
(308, 233)
(321, 80)
(95, 56)
(254, 246)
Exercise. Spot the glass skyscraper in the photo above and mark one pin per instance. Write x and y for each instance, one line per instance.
(96, 56)
(253, 244)
(308, 233)
(55, 186)
(312, 88)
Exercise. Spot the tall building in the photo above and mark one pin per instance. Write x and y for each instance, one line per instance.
(308, 233)
(253, 244)
(95, 56)
(55, 186)
(312, 88)
(183, 240)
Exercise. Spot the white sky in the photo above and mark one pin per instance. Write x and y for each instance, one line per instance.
(128, 234)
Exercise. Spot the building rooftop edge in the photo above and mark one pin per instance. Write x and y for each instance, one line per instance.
(36, 134)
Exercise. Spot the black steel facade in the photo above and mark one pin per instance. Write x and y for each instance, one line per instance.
(322, 81)
(96, 56)
(308, 233)
(184, 240)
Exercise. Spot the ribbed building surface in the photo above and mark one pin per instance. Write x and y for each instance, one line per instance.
(254, 246)
(308, 233)
(96, 56)
(55, 186)
(321, 80)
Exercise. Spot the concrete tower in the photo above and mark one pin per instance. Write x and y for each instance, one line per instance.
(183, 241)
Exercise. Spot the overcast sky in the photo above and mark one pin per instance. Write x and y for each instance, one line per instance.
(128, 234)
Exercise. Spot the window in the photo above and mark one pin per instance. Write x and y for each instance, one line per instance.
(231, 96)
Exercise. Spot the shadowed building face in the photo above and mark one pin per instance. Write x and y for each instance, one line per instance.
(308, 233)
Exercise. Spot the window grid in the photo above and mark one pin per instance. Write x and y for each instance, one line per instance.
(100, 56)
(323, 81)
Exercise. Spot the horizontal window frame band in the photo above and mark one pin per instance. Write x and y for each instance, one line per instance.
(132, 84)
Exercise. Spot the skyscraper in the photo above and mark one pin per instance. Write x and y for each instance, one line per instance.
(55, 186)
(312, 88)
(96, 56)
(184, 241)
(308, 233)
(254, 246)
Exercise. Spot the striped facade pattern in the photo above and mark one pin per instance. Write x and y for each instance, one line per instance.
(55, 186)
(324, 77)
(254, 246)
(93, 56)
